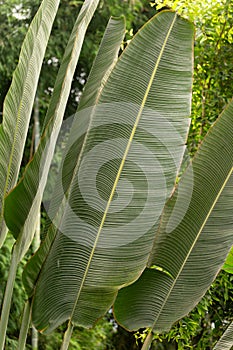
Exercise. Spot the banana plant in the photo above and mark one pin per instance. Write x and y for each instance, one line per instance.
(121, 231)
(120, 165)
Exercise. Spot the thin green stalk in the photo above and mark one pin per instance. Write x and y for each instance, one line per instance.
(35, 338)
(67, 336)
(7, 297)
(36, 239)
(24, 327)
(147, 343)
(3, 231)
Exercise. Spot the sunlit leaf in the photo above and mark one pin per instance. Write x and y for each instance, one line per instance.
(228, 265)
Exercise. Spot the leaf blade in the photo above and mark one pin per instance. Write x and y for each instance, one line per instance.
(19, 217)
(192, 252)
(19, 100)
(228, 265)
(83, 250)
(110, 44)
(108, 52)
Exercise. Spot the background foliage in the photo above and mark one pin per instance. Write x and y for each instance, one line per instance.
(212, 90)
(213, 67)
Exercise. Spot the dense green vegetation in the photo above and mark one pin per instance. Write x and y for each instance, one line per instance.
(212, 91)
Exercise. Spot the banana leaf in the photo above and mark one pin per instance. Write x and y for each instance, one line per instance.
(109, 50)
(19, 101)
(193, 240)
(22, 205)
(129, 148)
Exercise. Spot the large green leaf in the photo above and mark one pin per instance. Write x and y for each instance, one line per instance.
(128, 152)
(226, 341)
(195, 235)
(108, 51)
(23, 203)
(19, 100)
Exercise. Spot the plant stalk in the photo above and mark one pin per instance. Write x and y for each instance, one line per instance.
(3, 231)
(7, 297)
(24, 327)
(147, 343)
(67, 336)
(36, 239)
(35, 338)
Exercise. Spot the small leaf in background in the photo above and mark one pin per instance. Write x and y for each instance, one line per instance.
(228, 265)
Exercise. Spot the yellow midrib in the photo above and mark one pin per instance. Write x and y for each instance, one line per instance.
(123, 162)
